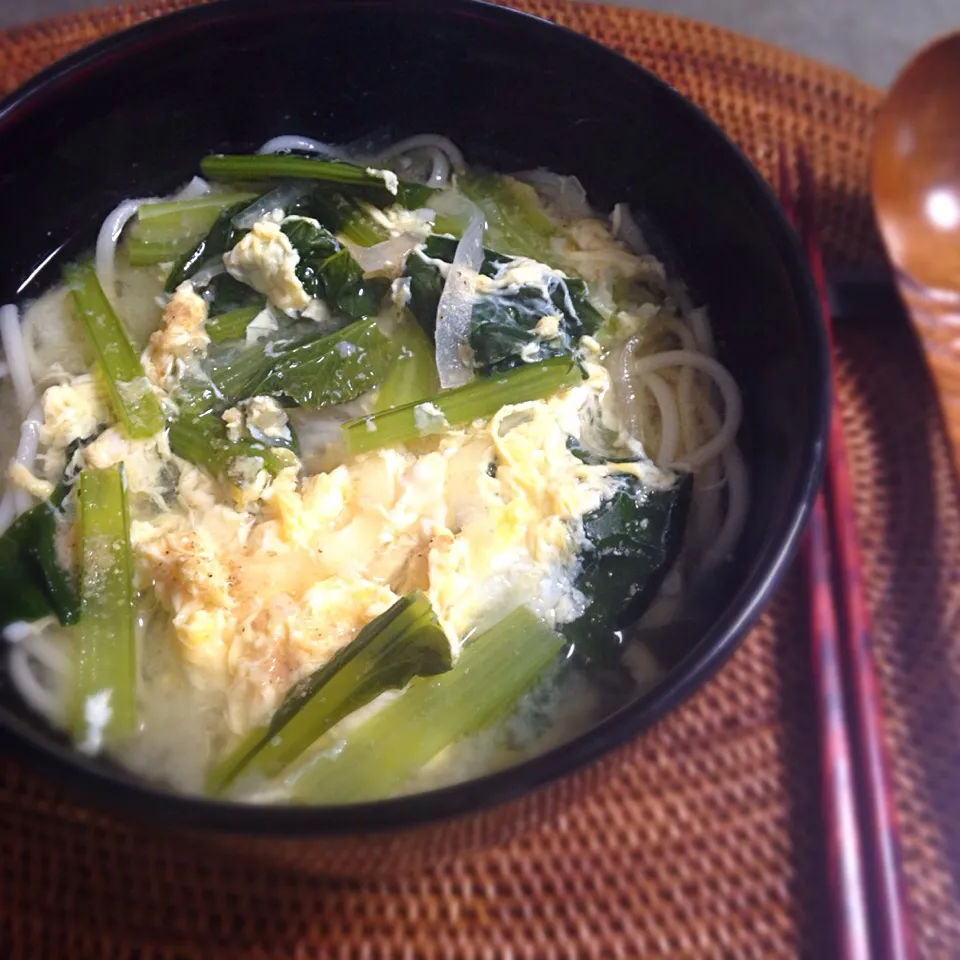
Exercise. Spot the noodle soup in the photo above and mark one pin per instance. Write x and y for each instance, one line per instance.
(340, 473)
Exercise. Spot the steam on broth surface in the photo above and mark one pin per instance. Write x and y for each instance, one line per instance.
(338, 474)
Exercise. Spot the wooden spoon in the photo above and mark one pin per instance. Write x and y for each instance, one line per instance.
(916, 195)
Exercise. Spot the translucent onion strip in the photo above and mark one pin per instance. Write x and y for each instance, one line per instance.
(11, 334)
(197, 187)
(565, 194)
(456, 306)
(281, 198)
(7, 510)
(26, 456)
(625, 228)
(388, 256)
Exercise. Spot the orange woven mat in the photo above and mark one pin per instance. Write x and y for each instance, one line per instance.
(704, 840)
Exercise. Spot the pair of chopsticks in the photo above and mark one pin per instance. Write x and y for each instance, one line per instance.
(863, 849)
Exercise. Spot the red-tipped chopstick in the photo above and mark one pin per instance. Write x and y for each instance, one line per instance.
(886, 895)
(848, 895)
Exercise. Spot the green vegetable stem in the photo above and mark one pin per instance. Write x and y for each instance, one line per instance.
(403, 642)
(105, 676)
(491, 674)
(131, 395)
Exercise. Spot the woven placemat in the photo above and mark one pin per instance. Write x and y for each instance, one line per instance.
(702, 838)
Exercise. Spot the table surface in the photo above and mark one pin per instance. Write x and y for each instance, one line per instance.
(870, 38)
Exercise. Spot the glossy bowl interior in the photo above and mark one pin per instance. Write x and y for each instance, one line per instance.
(132, 115)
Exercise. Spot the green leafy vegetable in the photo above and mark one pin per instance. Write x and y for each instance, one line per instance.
(225, 294)
(222, 236)
(231, 325)
(167, 230)
(590, 457)
(631, 541)
(503, 327)
(105, 675)
(202, 440)
(426, 281)
(404, 642)
(131, 395)
(342, 213)
(413, 375)
(328, 272)
(515, 222)
(493, 671)
(143, 253)
(315, 372)
(271, 166)
(477, 400)
(503, 330)
(32, 582)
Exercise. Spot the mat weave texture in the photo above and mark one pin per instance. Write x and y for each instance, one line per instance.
(700, 839)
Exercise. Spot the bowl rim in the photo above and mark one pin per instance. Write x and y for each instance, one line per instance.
(123, 793)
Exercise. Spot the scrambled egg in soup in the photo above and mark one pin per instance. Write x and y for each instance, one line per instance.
(339, 571)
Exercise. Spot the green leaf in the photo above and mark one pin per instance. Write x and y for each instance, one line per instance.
(342, 213)
(231, 325)
(477, 400)
(169, 229)
(32, 582)
(131, 395)
(515, 222)
(316, 372)
(347, 290)
(271, 166)
(413, 375)
(632, 539)
(106, 652)
(225, 294)
(202, 439)
(491, 674)
(403, 642)
(329, 273)
(222, 236)
(503, 323)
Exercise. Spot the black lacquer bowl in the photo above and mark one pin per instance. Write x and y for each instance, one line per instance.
(131, 116)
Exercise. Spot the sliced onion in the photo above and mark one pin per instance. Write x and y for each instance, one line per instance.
(385, 256)
(11, 334)
(565, 194)
(7, 510)
(279, 199)
(26, 454)
(627, 229)
(197, 187)
(211, 269)
(456, 305)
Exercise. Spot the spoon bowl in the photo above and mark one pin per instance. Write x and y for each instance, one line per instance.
(916, 192)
